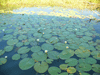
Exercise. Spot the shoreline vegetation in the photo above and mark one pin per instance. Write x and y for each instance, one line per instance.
(8, 5)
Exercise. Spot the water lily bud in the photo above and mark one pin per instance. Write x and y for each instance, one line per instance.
(46, 51)
(37, 39)
(65, 41)
(3, 30)
(67, 47)
(5, 56)
(75, 29)
(43, 32)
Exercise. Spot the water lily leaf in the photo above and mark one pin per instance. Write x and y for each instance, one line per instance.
(84, 74)
(71, 70)
(19, 44)
(49, 61)
(79, 33)
(83, 53)
(23, 50)
(54, 70)
(3, 61)
(73, 46)
(96, 73)
(35, 48)
(53, 40)
(12, 41)
(96, 68)
(26, 63)
(98, 47)
(7, 37)
(85, 67)
(26, 43)
(96, 54)
(47, 46)
(47, 36)
(9, 31)
(24, 56)
(8, 48)
(16, 57)
(63, 66)
(53, 55)
(65, 54)
(37, 34)
(63, 73)
(40, 56)
(41, 67)
(22, 37)
(2, 52)
(60, 46)
(31, 39)
(71, 62)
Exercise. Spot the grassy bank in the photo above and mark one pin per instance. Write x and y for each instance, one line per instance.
(81, 4)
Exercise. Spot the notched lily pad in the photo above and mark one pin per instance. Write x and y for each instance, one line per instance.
(53, 55)
(8, 48)
(16, 56)
(63, 66)
(3, 61)
(96, 68)
(71, 70)
(12, 41)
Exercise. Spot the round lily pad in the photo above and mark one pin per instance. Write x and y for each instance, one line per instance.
(9, 31)
(35, 48)
(31, 39)
(22, 37)
(84, 74)
(26, 63)
(3, 61)
(16, 56)
(65, 54)
(19, 44)
(53, 40)
(7, 37)
(23, 50)
(73, 46)
(71, 61)
(85, 67)
(63, 73)
(8, 48)
(2, 52)
(60, 46)
(53, 55)
(49, 61)
(41, 67)
(90, 60)
(63, 66)
(71, 70)
(26, 43)
(24, 56)
(96, 68)
(98, 47)
(47, 46)
(54, 70)
(12, 41)
(37, 34)
(40, 56)
(47, 36)
(96, 54)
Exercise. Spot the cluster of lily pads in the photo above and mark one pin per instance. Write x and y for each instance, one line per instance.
(49, 39)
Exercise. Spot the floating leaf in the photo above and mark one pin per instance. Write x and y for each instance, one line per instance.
(22, 37)
(40, 56)
(53, 40)
(2, 52)
(24, 56)
(23, 50)
(60, 46)
(49, 61)
(63, 66)
(47, 46)
(3, 61)
(53, 55)
(41, 68)
(9, 31)
(8, 48)
(35, 48)
(37, 34)
(71, 62)
(26, 63)
(73, 46)
(19, 44)
(16, 57)
(54, 70)
(84, 74)
(12, 41)
(47, 36)
(7, 37)
(96, 68)
(96, 54)
(98, 47)
(71, 70)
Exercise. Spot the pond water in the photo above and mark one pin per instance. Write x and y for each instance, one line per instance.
(49, 41)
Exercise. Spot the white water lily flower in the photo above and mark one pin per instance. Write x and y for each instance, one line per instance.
(3, 30)
(43, 32)
(5, 56)
(46, 51)
(65, 41)
(75, 29)
(67, 47)
(37, 39)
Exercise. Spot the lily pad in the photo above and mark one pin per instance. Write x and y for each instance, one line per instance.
(19, 44)
(53, 55)
(2, 52)
(71, 70)
(8, 48)
(60, 46)
(73, 46)
(26, 63)
(96, 68)
(84, 74)
(53, 40)
(12, 41)
(96, 54)
(40, 56)
(16, 57)
(47, 46)
(54, 70)
(41, 67)
(37, 34)
(63, 73)
(7, 37)
(63, 66)
(23, 50)
(71, 61)
(47, 36)
(3, 61)
(22, 37)
(9, 31)
(24, 56)
(35, 48)
(85, 67)
(49, 61)
(98, 47)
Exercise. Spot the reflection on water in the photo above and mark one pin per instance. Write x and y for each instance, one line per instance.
(66, 34)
